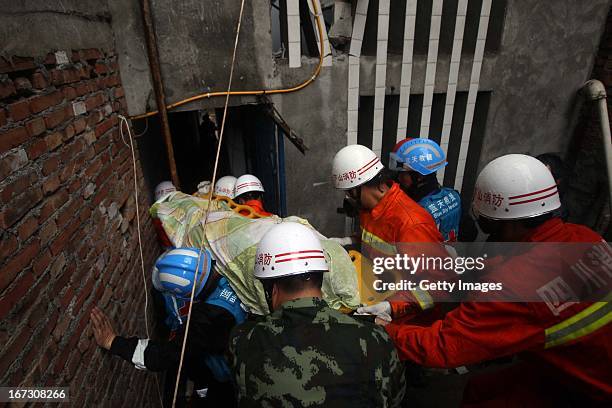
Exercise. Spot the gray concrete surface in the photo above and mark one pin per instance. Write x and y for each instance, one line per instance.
(32, 28)
(547, 53)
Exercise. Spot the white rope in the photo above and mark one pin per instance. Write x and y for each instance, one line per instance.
(123, 121)
(195, 278)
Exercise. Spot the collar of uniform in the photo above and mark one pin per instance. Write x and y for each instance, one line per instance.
(303, 302)
(386, 202)
(545, 231)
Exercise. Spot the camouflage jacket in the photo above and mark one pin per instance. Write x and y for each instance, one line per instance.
(306, 354)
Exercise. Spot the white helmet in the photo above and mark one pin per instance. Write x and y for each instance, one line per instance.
(225, 186)
(163, 188)
(353, 166)
(288, 249)
(513, 187)
(247, 183)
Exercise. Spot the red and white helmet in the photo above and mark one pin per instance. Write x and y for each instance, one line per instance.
(353, 166)
(163, 188)
(515, 186)
(247, 183)
(225, 186)
(288, 249)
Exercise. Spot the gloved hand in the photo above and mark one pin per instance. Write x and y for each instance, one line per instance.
(204, 187)
(381, 310)
(342, 241)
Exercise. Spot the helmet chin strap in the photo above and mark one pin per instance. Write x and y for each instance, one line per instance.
(421, 185)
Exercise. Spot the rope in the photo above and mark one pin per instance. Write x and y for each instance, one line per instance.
(144, 276)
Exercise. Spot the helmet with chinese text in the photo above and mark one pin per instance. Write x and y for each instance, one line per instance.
(225, 186)
(515, 186)
(421, 155)
(353, 166)
(289, 248)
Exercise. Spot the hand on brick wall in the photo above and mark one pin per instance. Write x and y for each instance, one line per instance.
(103, 330)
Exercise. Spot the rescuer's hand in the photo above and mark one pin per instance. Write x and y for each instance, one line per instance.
(102, 329)
(381, 310)
(381, 322)
(342, 241)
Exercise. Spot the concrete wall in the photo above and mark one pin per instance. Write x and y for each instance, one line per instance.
(33, 28)
(547, 53)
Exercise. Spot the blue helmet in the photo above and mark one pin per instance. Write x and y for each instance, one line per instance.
(175, 270)
(421, 155)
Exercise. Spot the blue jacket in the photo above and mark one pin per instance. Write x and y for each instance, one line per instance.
(444, 205)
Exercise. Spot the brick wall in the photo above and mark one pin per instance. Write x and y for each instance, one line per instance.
(68, 228)
(588, 182)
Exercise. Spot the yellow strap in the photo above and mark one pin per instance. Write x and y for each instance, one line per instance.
(586, 322)
(239, 207)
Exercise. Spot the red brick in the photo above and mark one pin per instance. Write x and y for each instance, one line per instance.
(19, 110)
(12, 162)
(118, 93)
(19, 207)
(27, 228)
(7, 88)
(12, 351)
(8, 247)
(18, 263)
(53, 140)
(60, 242)
(69, 133)
(91, 54)
(47, 232)
(60, 328)
(67, 213)
(52, 203)
(67, 298)
(82, 88)
(18, 186)
(100, 68)
(15, 64)
(43, 260)
(51, 185)
(72, 366)
(50, 164)
(39, 81)
(69, 93)
(93, 101)
(52, 119)
(113, 80)
(85, 71)
(2, 117)
(37, 148)
(23, 85)
(79, 125)
(105, 126)
(70, 75)
(56, 77)
(75, 185)
(12, 138)
(36, 126)
(44, 102)
(94, 117)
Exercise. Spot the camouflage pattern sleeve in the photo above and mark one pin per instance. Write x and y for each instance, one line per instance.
(238, 338)
(388, 369)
